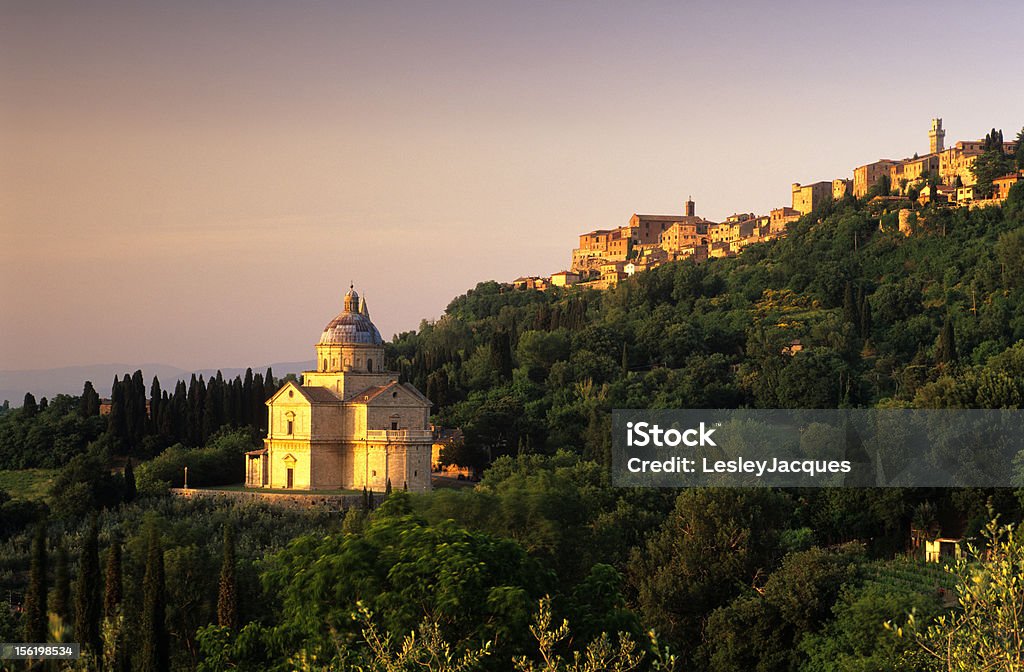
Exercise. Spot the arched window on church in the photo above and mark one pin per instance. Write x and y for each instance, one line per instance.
(369, 365)
(325, 365)
(289, 423)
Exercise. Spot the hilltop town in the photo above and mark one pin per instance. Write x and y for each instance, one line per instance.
(944, 177)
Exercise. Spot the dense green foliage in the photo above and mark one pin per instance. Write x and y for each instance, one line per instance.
(88, 593)
(35, 596)
(50, 434)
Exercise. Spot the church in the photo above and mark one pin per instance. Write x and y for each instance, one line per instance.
(350, 424)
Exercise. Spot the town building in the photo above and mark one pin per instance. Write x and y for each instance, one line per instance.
(682, 234)
(350, 424)
(840, 188)
(868, 175)
(564, 279)
(957, 163)
(779, 218)
(1001, 185)
(809, 196)
(912, 172)
(530, 282)
(613, 272)
(942, 194)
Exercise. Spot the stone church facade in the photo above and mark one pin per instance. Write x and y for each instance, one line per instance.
(350, 424)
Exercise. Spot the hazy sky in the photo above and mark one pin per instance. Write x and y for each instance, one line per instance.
(196, 183)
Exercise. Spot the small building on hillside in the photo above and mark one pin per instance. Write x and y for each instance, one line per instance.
(564, 279)
(1001, 185)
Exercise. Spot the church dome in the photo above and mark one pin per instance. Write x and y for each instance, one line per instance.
(352, 325)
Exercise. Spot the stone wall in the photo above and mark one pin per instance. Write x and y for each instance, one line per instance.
(334, 502)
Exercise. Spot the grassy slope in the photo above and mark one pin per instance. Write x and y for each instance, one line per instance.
(32, 484)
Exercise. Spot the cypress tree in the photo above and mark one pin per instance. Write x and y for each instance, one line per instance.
(259, 407)
(501, 354)
(166, 427)
(865, 320)
(213, 413)
(947, 343)
(130, 489)
(114, 585)
(118, 424)
(227, 603)
(154, 654)
(179, 404)
(387, 487)
(849, 307)
(366, 499)
(35, 597)
(248, 406)
(155, 406)
(61, 602)
(29, 407)
(88, 604)
(116, 654)
(196, 403)
(135, 408)
(238, 405)
(89, 404)
(625, 360)
(269, 384)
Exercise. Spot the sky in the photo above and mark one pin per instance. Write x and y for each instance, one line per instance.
(198, 183)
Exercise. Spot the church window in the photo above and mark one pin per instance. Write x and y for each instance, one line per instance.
(325, 365)
(291, 426)
(394, 425)
(373, 473)
(416, 472)
(369, 365)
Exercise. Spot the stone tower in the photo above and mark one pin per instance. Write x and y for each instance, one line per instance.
(936, 137)
(689, 207)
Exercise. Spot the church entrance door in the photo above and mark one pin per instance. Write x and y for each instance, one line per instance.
(291, 479)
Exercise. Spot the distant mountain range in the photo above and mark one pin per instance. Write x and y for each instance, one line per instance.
(70, 379)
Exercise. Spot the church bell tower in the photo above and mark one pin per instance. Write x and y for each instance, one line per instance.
(936, 137)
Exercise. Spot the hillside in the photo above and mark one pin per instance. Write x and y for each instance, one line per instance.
(844, 311)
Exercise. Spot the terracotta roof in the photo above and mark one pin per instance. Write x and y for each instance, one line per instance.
(664, 218)
(317, 395)
(371, 393)
(368, 395)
